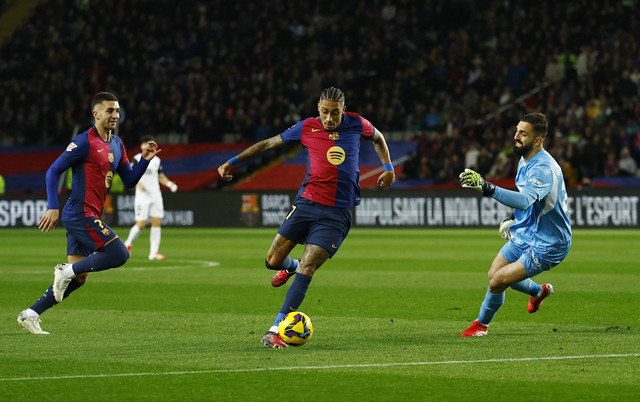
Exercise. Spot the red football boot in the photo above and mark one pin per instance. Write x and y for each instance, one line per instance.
(273, 340)
(476, 329)
(536, 302)
(280, 278)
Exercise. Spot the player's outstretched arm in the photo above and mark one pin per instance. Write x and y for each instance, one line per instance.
(256, 149)
(388, 177)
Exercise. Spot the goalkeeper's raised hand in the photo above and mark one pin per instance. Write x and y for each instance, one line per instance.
(471, 179)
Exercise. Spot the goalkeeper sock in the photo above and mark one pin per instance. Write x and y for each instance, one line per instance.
(527, 286)
(490, 305)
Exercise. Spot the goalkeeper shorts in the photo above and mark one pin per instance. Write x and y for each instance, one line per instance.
(534, 262)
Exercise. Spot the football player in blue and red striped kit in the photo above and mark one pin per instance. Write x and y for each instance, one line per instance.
(92, 246)
(320, 216)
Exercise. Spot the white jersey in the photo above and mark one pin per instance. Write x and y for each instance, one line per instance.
(149, 180)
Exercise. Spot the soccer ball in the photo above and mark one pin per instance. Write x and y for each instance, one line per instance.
(296, 328)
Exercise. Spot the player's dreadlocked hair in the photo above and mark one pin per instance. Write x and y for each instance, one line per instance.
(332, 94)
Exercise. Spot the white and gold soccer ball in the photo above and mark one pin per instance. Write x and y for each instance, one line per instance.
(296, 328)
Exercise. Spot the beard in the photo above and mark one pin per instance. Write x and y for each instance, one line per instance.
(523, 150)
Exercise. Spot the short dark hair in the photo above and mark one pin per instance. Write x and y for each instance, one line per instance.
(539, 123)
(332, 94)
(101, 97)
(146, 138)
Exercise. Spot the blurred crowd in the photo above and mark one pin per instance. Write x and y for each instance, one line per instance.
(455, 75)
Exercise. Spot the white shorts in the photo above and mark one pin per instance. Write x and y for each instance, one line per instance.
(146, 207)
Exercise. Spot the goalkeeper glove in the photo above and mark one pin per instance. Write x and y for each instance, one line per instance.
(506, 223)
(172, 186)
(471, 179)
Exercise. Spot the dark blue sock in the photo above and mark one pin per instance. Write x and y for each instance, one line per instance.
(112, 255)
(490, 306)
(295, 294)
(289, 264)
(46, 301)
(526, 286)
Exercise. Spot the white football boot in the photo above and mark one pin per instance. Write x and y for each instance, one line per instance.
(31, 323)
(60, 282)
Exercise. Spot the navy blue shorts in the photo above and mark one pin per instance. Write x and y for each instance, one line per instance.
(311, 223)
(87, 235)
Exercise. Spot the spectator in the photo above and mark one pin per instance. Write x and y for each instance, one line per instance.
(410, 168)
(471, 156)
(485, 161)
(432, 119)
(585, 62)
(554, 71)
(223, 70)
(611, 165)
(627, 165)
(426, 167)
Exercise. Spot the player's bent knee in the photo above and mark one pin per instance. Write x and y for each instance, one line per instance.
(493, 271)
(272, 263)
(497, 284)
(118, 253)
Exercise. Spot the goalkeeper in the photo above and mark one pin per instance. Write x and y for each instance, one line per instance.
(539, 230)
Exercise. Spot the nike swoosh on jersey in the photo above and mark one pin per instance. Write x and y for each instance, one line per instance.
(100, 150)
(313, 130)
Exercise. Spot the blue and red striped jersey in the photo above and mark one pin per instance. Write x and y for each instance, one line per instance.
(332, 159)
(93, 162)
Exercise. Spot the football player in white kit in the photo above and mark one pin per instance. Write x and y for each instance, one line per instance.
(148, 202)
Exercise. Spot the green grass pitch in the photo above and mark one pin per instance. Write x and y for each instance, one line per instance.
(387, 310)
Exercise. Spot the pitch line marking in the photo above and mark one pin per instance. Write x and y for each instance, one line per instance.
(338, 366)
(196, 264)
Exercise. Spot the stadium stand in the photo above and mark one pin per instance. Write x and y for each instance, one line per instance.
(450, 77)
(194, 166)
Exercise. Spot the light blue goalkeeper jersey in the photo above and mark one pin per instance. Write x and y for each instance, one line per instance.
(541, 210)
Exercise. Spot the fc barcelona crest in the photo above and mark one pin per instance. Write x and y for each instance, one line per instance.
(110, 156)
(334, 136)
(250, 211)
